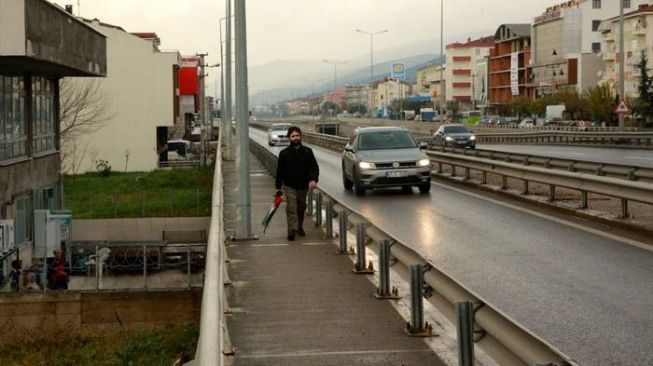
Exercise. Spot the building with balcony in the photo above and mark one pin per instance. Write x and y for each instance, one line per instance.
(508, 64)
(143, 90)
(389, 90)
(464, 77)
(638, 37)
(39, 44)
(565, 45)
(358, 95)
(427, 75)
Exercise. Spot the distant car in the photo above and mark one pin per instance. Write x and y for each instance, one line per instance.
(527, 123)
(379, 157)
(455, 135)
(277, 134)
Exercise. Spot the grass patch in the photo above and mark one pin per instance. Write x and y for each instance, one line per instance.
(471, 121)
(160, 346)
(160, 193)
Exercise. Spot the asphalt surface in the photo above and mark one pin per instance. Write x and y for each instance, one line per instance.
(589, 295)
(642, 158)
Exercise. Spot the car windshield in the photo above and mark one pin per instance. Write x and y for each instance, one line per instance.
(386, 140)
(280, 127)
(456, 129)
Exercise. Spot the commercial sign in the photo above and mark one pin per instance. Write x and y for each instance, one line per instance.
(514, 73)
(398, 71)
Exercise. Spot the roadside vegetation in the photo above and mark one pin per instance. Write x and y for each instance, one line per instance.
(154, 347)
(160, 193)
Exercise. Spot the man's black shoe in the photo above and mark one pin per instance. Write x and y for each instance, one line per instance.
(291, 235)
(301, 232)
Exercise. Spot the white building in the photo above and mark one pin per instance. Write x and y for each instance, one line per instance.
(141, 89)
(387, 91)
(465, 71)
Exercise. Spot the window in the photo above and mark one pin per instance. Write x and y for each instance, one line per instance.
(596, 47)
(43, 90)
(13, 131)
(595, 25)
(596, 4)
(626, 3)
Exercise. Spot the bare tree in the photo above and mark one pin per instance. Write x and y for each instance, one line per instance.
(126, 159)
(84, 108)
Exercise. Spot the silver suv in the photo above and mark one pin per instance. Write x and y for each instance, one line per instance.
(378, 157)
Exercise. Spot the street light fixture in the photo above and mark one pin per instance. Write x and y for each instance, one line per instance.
(335, 64)
(371, 34)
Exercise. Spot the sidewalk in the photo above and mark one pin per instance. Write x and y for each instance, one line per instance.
(298, 303)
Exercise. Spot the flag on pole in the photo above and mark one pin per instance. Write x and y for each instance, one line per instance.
(273, 208)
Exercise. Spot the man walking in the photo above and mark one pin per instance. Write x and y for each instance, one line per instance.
(297, 172)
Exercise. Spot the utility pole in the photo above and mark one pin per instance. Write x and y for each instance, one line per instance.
(371, 34)
(442, 86)
(242, 121)
(335, 64)
(473, 95)
(621, 60)
(228, 135)
(224, 123)
(203, 123)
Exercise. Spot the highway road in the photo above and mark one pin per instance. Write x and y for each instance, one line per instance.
(643, 158)
(584, 291)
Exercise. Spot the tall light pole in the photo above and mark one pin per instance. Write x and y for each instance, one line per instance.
(335, 64)
(228, 135)
(225, 125)
(621, 60)
(442, 86)
(371, 34)
(312, 93)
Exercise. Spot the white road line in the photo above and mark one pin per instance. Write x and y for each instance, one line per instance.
(270, 245)
(316, 243)
(333, 353)
(621, 239)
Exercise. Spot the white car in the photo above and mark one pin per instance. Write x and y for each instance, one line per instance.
(527, 123)
(278, 134)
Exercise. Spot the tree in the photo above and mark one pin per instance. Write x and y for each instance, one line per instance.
(83, 109)
(600, 101)
(353, 108)
(644, 104)
(574, 102)
(520, 106)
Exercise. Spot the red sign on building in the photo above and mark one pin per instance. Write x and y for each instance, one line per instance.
(188, 78)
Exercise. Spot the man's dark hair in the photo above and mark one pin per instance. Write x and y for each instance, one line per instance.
(293, 129)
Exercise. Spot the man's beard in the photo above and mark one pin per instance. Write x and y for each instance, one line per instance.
(295, 143)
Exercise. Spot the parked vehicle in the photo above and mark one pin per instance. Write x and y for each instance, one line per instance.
(454, 135)
(379, 157)
(427, 114)
(277, 134)
(555, 112)
(527, 123)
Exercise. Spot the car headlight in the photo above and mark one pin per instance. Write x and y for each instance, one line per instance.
(472, 137)
(365, 165)
(423, 162)
(448, 138)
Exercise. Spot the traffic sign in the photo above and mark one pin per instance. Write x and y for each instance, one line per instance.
(622, 107)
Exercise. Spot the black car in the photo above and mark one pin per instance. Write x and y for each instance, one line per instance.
(454, 135)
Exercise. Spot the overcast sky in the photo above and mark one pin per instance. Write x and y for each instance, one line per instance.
(309, 29)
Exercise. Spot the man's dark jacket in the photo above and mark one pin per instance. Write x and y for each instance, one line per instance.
(296, 167)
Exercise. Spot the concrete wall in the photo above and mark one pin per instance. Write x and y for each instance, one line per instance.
(29, 175)
(12, 26)
(143, 229)
(140, 87)
(22, 314)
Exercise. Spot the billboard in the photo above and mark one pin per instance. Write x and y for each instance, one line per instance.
(398, 71)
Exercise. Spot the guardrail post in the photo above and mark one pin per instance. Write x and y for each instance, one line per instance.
(361, 237)
(439, 169)
(453, 170)
(417, 327)
(145, 266)
(504, 182)
(190, 284)
(624, 209)
(309, 203)
(552, 193)
(97, 266)
(583, 200)
(465, 332)
(342, 226)
(466, 173)
(525, 190)
(483, 177)
(383, 291)
(318, 209)
(329, 219)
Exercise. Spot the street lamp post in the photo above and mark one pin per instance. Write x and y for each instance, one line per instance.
(335, 64)
(371, 34)
(621, 60)
(442, 86)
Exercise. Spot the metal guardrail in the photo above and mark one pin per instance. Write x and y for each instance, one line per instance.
(502, 338)
(635, 140)
(574, 178)
(629, 172)
(214, 337)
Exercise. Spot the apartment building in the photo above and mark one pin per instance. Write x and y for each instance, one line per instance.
(464, 77)
(508, 64)
(389, 90)
(638, 37)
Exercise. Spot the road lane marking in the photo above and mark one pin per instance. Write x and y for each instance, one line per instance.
(574, 225)
(333, 353)
(269, 245)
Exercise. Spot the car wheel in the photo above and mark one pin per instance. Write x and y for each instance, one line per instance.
(348, 184)
(425, 187)
(359, 190)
